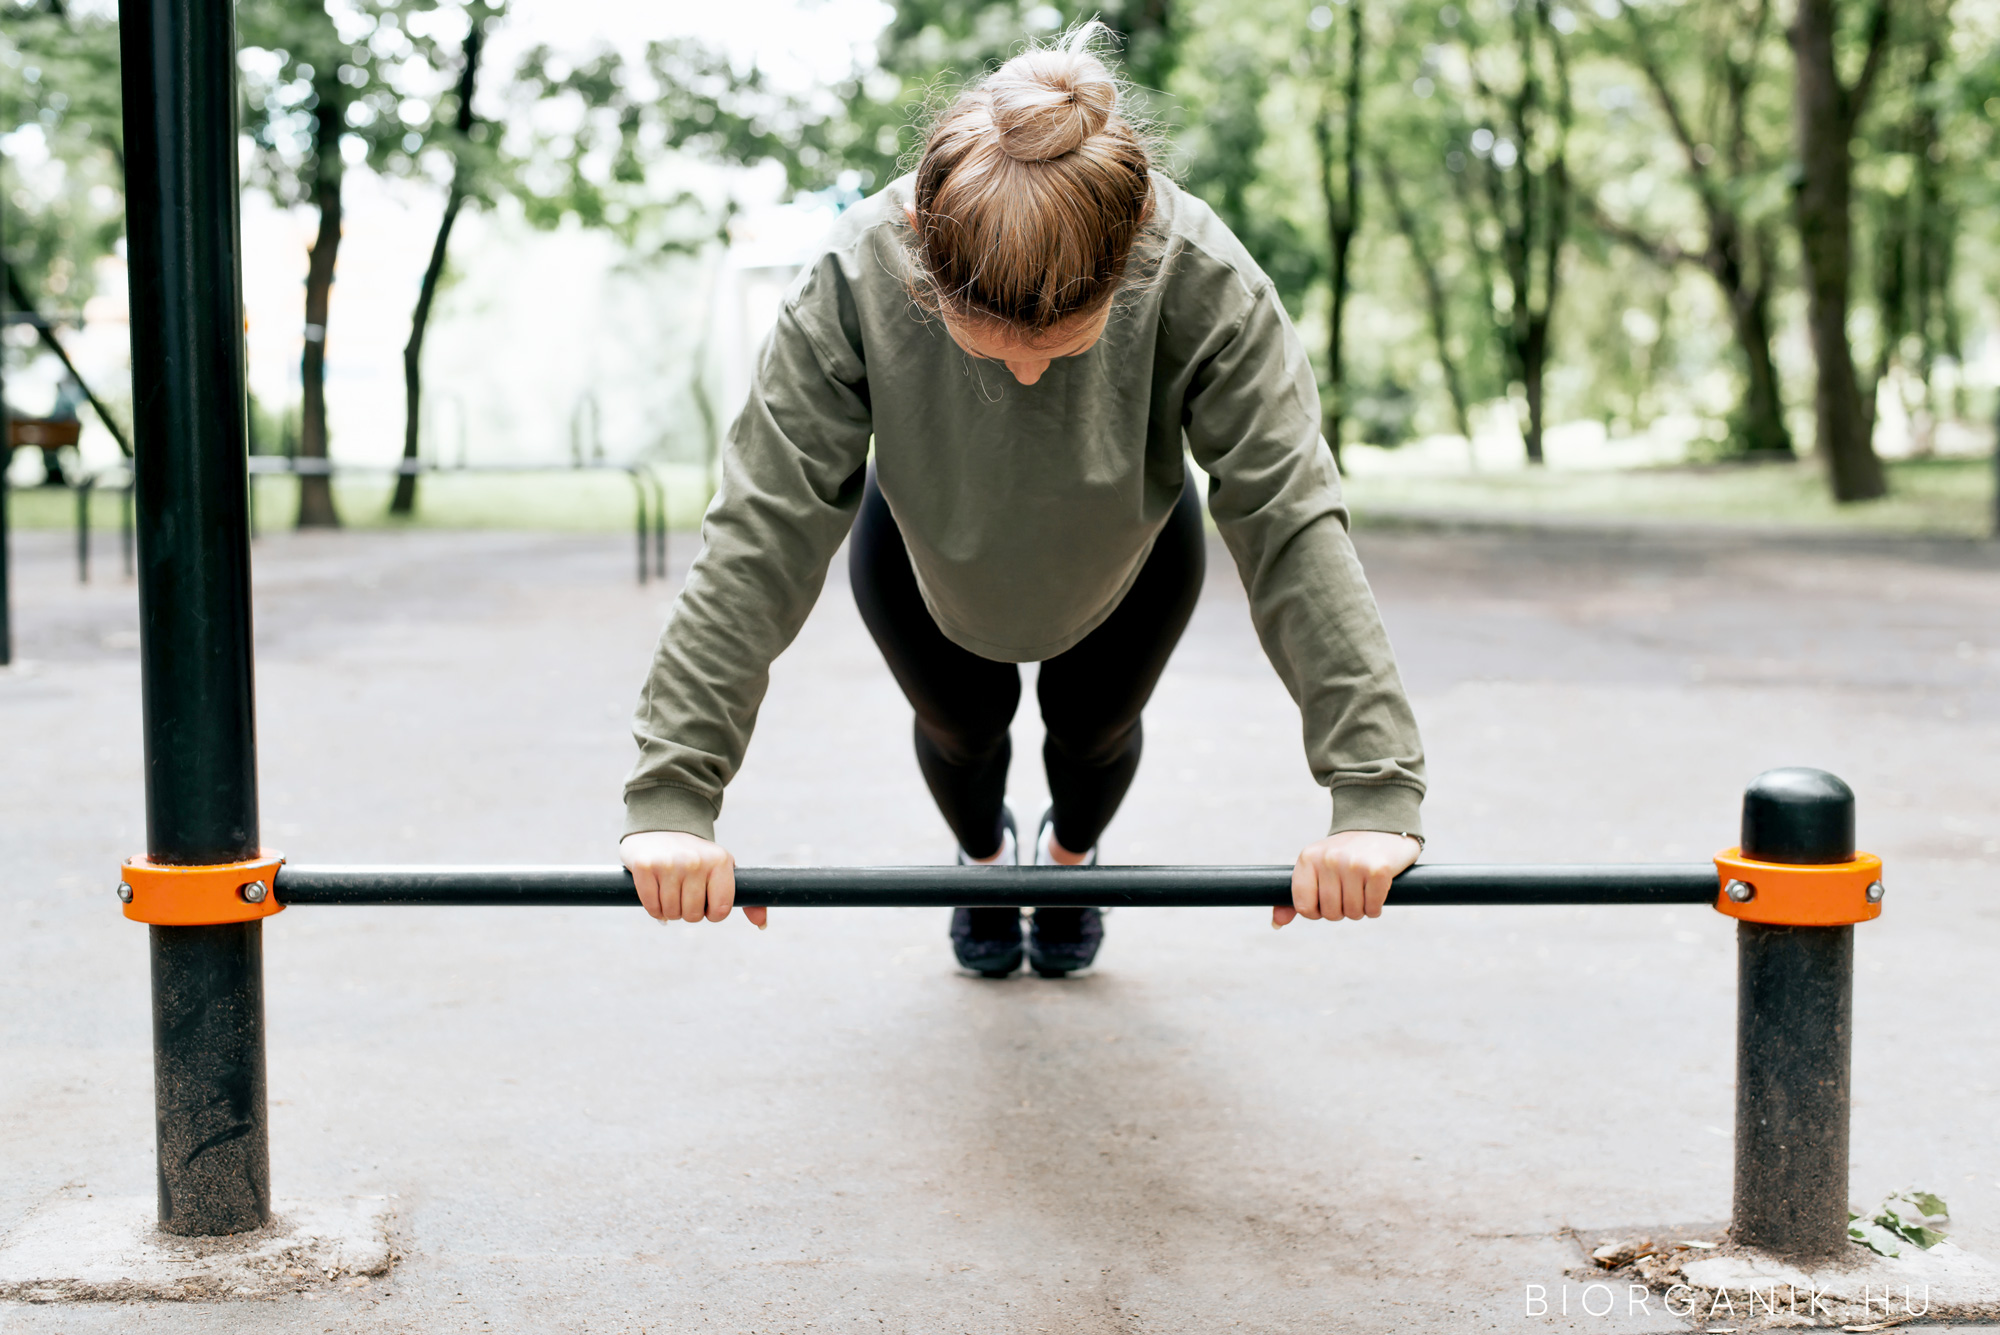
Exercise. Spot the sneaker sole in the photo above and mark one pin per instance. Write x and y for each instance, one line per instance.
(993, 966)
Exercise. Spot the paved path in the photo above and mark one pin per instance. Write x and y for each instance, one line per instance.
(591, 1123)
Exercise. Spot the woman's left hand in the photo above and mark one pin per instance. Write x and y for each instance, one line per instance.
(1346, 875)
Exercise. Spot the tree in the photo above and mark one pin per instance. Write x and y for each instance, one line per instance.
(1223, 146)
(463, 140)
(1148, 35)
(1337, 139)
(1911, 211)
(1437, 302)
(1514, 188)
(1828, 110)
(321, 86)
(931, 47)
(298, 111)
(1731, 178)
(60, 90)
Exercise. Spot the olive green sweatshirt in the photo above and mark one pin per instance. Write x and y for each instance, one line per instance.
(1027, 509)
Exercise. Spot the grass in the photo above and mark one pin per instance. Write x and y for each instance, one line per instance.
(1933, 497)
(1927, 497)
(566, 502)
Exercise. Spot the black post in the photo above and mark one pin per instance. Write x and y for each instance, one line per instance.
(6, 462)
(1794, 1032)
(190, 465)
(659, 527)
(125, 525)
(639, 523)
(6, 582)
(83, 487)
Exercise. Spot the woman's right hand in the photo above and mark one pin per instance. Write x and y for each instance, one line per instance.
(683, 876)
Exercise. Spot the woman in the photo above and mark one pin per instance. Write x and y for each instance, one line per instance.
(1033, 329)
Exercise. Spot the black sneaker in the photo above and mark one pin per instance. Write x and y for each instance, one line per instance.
(1062, 940)
(988, 941)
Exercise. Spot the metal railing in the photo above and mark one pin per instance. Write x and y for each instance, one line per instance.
(649, 532)
(84, 487)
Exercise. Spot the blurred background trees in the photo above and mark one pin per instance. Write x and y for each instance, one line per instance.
(1723, 227)
(64, 208)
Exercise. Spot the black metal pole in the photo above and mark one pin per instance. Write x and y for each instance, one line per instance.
(639, 523)
(83, 487)
(125, 525)
(861, 887)
(1794, 1033)
(6, 543)
(659, 526)
(6, 462)
(179, 59)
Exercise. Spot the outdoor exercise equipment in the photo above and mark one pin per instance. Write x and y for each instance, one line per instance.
(205, 883)
(83, 487)
(645, 482)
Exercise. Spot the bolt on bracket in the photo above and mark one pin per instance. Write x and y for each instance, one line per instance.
(1788, 895)
(169, 896)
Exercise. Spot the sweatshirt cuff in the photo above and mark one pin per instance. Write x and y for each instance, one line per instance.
(1389, 807)
(668, 808)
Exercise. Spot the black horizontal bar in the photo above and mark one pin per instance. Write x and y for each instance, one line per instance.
(1106, 887)
(53, 320)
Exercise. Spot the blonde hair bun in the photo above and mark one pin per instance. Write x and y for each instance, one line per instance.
(1033, 187)
(1049, 102)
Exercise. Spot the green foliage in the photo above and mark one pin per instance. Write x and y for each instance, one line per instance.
(1909, 212)
(62, 181)
(624, 125)
(374, 79)
(1688, 154)
(1384, 413)
(1897, 1220)
(930, 48)
(1657, 117)
(1223, 145)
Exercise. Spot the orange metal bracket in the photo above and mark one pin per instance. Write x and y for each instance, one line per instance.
(200, 896)
(1788, 896)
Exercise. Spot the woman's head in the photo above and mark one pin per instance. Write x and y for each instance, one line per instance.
(1032, 190)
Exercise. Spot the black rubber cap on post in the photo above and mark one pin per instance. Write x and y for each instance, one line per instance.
(1801, 816)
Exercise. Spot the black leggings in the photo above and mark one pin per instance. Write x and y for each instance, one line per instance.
(1091, 694)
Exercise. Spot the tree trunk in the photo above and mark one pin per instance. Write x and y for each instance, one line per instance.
(1892, 285)
(1996, 471)
(404, 501)
(1434, 298)
(1534, 359)
(1533, 208)
(1555, 226)
(1826, 112)
(1343, 220)
(1737, 256)
(1765, 435)
(1934, 227)
(316, 489)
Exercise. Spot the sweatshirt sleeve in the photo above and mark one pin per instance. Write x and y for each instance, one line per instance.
(791, 483)
(1252, 423)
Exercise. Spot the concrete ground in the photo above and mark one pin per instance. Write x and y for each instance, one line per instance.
(586, 1122)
